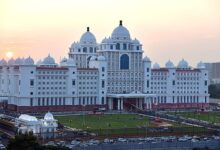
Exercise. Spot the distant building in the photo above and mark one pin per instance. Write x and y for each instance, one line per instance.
(45, 127)
(111, 75)
(214, 72)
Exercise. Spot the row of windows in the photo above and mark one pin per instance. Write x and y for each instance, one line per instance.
(51, 93)
(87, 49)
(52, 88)
(119, 46)
(51, 72)
(87, 72)
(52, 83)
(179, 99)
(88, 77)
(52, 77)
(87, 83)
(117, 74)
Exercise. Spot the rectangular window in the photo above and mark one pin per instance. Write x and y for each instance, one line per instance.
(79, 101)
(73, 101)
(64, 101)
(125, 46)
(83, 100)
(31, 82)
(47, 101)
(39, 102)
(31, 101)
(103, 100)
(73, 82)
(103, 69)
(148, 69)
(147, 83)
(206, 82)
(111, 46)
(103, 84)
(60, 101)
(173, 82)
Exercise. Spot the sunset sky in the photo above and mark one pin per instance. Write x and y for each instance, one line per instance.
(168, 29)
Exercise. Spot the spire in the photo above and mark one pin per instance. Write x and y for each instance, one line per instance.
(120, 23)
(87, 29)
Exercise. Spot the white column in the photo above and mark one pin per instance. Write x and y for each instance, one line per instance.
(136, 101)
(110, 102)
(150, 103)
(118, 103)
(122, 104)
(141, 103)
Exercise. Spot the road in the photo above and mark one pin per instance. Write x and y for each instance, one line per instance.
(188, 145)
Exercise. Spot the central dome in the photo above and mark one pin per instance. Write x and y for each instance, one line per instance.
(121, 32)
(88, 38)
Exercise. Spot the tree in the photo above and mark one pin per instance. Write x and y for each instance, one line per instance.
(214, 90)
(28, 141)
(25, 141)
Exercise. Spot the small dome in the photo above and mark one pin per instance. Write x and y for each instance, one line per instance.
(48, 116)
(18, 61)
(104, 40)
(70, 62)
(29, 61)
(27, 117)
(39, 62)
(146, 58)
(201, 65)
(135, 41)
(3, 62)
(75, 45)
(169, 64)
(101, 58)
(109, 40)
(121, 32)
(11, 61)
(183, 64)
(88, 38)
(156, 66)
(49, 60)
(64, 60)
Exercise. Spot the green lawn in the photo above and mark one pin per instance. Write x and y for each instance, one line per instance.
(115, 121)
(213, 117)
(117, 124)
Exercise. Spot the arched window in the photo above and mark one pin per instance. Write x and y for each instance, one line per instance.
(118, 46)
(90, 49)
(124, 46)
(88, 59)
(137, 47)
(84, 49)
(124, 61)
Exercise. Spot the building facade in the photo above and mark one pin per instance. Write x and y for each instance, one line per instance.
(111, 75)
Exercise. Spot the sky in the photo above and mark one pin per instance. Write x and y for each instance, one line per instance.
(168, 29)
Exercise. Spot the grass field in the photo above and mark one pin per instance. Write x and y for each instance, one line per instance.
(213, 117)
(115, 121)
(117, 124)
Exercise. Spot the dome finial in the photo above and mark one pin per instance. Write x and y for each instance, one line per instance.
(87, 29)
(120, 22)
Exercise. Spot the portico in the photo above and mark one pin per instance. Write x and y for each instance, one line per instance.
(130, 101)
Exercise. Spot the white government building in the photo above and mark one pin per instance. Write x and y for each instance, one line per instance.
(112, 75)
